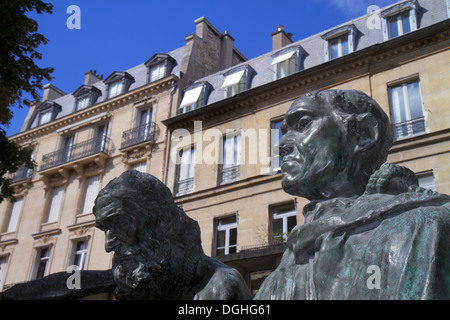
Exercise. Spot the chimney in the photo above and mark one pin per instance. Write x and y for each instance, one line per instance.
(226, 51)
(51, 92)
(91, 77)
(280, 38)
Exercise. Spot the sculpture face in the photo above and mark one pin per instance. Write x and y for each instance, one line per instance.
(315, 149)
(117, 224)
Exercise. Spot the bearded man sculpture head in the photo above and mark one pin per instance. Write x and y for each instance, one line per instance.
(157, 247)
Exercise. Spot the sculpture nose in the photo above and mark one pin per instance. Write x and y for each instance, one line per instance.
(284, 150)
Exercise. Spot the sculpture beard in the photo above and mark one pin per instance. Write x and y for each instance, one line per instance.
(140, 273)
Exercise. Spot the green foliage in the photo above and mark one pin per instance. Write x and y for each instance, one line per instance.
(18, 75)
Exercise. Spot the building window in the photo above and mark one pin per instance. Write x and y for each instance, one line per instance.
(426, 180)
(237, 80)
(338, 47)
(185, 171)
(90, 193)
(45, 117)
(157, 72)
(407, 115)
(285, 64)
(229, 168)
(275, 136)
(287, 61)
(226, 236)
(195, 96)
(159, 66)
(115, 89)
(282, 220)
(339, 42)
(82, 103)
(67, 148)
(117, 83)
(14, 215)
(101, 137)
(140, 166)
(79, 253)
(85, 96)
(399, 19)
(399, 25)
(144, 123)
(3, 265)
(40, 269)
(55, 204)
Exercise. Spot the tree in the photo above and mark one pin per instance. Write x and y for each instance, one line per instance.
(19, 74)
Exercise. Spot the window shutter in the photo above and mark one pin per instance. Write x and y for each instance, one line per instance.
(55, 205)
(91, 192)
(14, 218)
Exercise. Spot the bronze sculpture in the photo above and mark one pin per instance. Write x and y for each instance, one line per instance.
(364, 216)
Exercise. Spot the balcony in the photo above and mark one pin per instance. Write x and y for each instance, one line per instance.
(229, 174)
(22, 173)
(408, 128)
(185, 186)
(77, 151)
(139, 134)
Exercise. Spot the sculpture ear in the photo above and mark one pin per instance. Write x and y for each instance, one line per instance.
(368, 132)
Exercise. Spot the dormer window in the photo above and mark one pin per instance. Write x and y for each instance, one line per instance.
(399, 19)
(45, 117)
(118, 83)
(45, 112)
(338, 47)
(85, 96)
(115, 89)
(157, 72)
(159, 66)
(195, 96)
(286, 62)
(237, 80)
(339, 42)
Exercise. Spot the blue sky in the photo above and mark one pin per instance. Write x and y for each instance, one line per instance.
(119, 34)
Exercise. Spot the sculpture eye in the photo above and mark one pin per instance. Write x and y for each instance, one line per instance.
(304, 123)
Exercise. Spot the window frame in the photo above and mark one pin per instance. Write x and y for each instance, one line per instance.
(409, 122)
(76, 252)
(39, 258)
(280, 212)
(243, 84)
(227, 227)
(234, 168)
(409, 8)
(189, 181)
(348, 31)
(55, 215)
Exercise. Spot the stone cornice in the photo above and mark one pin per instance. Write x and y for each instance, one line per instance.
(137, 95)
(361, 61)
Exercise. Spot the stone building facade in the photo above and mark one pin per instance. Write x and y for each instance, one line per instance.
(205, 120)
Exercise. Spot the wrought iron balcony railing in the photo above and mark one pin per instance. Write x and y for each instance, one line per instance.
(408, 128)
(76, 152)
(185, 186)
(139, 134)
(21, 174)
(229, 174)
